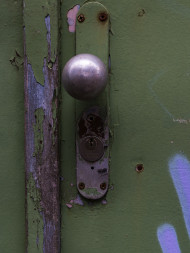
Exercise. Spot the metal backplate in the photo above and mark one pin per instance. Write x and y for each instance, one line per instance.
(92, 154)
(92, 37)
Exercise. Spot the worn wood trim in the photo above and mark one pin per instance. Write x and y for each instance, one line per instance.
(41, 125)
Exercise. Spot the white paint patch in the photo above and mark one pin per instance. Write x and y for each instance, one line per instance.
(179, 167)
(71, 18)
(167, 238)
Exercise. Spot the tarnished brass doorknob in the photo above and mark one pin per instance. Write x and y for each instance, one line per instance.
(84, 76)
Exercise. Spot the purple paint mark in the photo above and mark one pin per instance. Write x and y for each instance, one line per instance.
(179, 168)
(77, 201)
(69, 205)
(71, 18)
(168, 239)
(104, 202)
(48, 27)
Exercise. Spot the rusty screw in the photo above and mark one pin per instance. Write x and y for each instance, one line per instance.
(103, 186)
(81, 18)
(103, 16)
(139, 167)
(81, 186)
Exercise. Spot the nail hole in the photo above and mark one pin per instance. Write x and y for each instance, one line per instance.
(92, 167)
(139, 167)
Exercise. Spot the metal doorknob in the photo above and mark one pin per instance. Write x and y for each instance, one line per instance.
(84, 76)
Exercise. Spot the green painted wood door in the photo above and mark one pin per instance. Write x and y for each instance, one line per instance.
(149, 125)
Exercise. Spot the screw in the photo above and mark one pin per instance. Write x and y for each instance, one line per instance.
(81, 186)
(103, 186)
(139, 167)
(90, 117)
(103, 16)
(81, 18)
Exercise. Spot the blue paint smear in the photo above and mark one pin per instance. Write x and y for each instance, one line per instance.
(179, 168)
(168, 239)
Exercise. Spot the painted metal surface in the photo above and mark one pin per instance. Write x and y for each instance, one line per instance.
(12, 193)
(149, 108)
(41, 126)
(149, 80)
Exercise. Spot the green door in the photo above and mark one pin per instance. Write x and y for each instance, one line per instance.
(147, 206)
(149, 81)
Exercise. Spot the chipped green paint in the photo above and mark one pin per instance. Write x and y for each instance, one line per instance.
(35, 12)
(91, 191)
(38, 132)
(35, 224)
(17, 60)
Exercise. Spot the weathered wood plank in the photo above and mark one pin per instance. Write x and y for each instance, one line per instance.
(41, 126)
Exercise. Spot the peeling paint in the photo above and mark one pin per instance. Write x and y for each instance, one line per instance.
(37, 33)
(17, 60)
(41, 127)
(77, 201)
(38, 131)
(35, 226)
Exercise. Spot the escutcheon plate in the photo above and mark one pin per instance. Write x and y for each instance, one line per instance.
(92, 141)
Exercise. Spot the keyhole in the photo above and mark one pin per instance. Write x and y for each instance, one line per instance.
(91, 142)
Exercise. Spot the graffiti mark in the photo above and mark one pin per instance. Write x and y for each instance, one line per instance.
(152, 82)
(167, 238)
(179, 168)
(182, 121)
(71, 18)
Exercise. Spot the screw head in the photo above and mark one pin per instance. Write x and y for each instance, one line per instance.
(139, 167)
(103, 16)
(81, 18)
(103, 186)
(81, 185)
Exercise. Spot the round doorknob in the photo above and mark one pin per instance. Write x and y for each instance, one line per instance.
(84, 76)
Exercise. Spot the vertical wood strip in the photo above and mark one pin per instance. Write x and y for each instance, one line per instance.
(41, 125)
